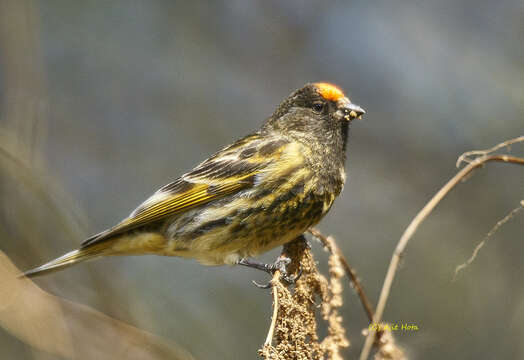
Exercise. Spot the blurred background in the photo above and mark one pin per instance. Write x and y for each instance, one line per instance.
(103, 102)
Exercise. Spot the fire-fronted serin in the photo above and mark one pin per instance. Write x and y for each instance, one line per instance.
(264, 190)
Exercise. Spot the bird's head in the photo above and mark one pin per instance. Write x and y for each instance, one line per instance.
(332, 99)
(315, 107)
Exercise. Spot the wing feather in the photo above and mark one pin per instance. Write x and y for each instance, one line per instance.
(225, 173)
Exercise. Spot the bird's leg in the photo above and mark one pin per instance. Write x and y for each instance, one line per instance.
(279, 265)
(305, 241)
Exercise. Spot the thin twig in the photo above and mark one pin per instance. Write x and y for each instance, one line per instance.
(489, 235)
(274, 289)
(464, 157)
(333, 248)
(410, 230)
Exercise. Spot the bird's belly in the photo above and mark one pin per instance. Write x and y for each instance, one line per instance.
(224, 233)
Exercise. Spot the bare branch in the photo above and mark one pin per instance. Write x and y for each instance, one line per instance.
(487, 237)
(465, 157)
(419, 218)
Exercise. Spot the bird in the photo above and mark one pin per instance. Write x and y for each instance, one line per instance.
(262, 191)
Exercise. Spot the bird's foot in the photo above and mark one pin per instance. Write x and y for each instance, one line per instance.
(279, 265)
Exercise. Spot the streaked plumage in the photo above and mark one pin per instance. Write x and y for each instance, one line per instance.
(258, 193)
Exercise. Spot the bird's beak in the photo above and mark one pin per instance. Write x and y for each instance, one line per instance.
(350, 111)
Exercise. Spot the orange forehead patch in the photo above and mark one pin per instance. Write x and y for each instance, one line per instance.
(329, 92)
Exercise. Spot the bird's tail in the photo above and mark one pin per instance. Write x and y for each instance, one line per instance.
(66, 260)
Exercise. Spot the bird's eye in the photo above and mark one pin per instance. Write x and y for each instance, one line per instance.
(318, 107)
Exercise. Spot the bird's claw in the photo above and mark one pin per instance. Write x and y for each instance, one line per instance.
(293, 278)
(279, 265)
(261, 286)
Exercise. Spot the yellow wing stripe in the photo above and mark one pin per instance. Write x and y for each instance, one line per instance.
(171, 206)
(184, 201)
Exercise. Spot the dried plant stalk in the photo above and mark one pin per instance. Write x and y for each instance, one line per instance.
(331, 246)
(294, 330)
(70, 330)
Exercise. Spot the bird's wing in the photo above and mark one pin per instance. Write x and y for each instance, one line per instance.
(230, 170)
